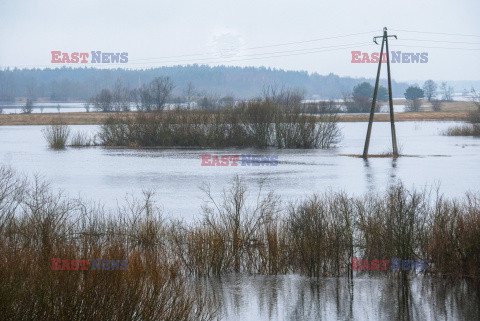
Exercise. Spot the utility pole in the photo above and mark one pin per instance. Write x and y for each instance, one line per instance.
(390, 99)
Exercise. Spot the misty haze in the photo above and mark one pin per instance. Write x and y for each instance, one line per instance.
(252, 160)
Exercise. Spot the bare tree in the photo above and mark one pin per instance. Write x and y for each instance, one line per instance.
(430, 88)
(160, 89)
(474, 116)
(31, 89)
(209, 101)
(120, 96)
(103, 101)
(189, 92)
(447, 91)
(144, 100)
(28, 108)
(284, 97)
(436, 104)
(347, 100)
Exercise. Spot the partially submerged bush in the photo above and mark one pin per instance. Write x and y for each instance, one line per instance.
(251, 124)
(81, 139)
(317, 236)
(463, 130)
(473, 128)
(56, 135)
(37, 226)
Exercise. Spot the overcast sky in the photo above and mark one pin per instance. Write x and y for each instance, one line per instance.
(290, 33)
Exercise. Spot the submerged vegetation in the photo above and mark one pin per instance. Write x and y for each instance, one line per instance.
(463, 130)
(81, 139)
(37, 225)
(317, 236)
(472, 128)
(56, 135)
(260, 123)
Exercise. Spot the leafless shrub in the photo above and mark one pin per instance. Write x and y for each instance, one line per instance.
(56, 135)
(236, 225)
(250, 124)
(28, 108)
(413, 105)
(436, 104)
(81, 139)
(44, 225)
(317, 236)
(463, 130)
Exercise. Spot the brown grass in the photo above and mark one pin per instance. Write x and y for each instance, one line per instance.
(458, 106)
(418, 116)
(447, 106)
(98, 118)
(37, 225)
(317, 236)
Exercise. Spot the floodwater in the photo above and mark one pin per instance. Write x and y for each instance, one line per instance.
(61, 107)
(432, 160)
(293, 297)
(16, 108)
(176, 175)
(68, 107)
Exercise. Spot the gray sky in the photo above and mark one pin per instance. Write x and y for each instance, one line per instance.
(157, 33)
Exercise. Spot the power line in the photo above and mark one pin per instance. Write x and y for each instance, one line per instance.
(214, 60)
(427, 47)
(437, 33)
(442, 41)
(273, 52)
(266, 46)
(267, 57)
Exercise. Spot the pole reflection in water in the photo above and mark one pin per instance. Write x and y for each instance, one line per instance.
(293, 297)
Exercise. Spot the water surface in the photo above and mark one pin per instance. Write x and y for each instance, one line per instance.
(98, 173)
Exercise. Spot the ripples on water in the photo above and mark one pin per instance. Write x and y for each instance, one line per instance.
(107, 175)
(294, 297)
(176, 174)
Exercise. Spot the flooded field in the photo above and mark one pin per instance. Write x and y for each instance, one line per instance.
(299, 298)
(16, 108)
(431, 160)
(97, 173)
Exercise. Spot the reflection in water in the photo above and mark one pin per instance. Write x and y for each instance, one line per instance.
(369, 176)
(294, 297)
(370, 171)
(175, 174)
(393, 171)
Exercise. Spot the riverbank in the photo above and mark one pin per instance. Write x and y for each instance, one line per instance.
(98, 118)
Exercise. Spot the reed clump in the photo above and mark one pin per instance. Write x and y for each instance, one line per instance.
(56, 134)
(38, 226)
(81, 139)
(258, 123)
(239, 232)
(463, 130)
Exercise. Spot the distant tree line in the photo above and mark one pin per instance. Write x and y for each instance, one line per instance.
(81, 84)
